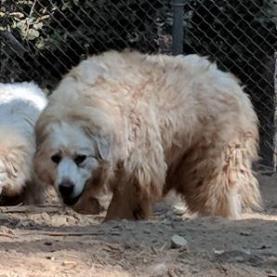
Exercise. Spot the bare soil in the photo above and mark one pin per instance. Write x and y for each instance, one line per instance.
(53, 241)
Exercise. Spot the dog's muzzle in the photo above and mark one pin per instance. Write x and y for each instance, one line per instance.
(66, 189)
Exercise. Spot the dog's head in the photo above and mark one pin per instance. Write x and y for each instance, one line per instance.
(72, 159)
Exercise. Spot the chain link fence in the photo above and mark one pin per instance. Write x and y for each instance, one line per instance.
(42, 39)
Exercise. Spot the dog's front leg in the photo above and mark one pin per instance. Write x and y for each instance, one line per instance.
(129, 203)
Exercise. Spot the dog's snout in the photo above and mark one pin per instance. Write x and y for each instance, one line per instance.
(66, 189)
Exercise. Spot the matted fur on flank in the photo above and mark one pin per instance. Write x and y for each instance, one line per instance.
(147, 124)
(20, 106)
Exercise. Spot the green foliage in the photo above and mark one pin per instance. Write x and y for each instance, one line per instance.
(55, 35)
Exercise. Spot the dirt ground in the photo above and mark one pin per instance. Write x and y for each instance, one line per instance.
(52, 241)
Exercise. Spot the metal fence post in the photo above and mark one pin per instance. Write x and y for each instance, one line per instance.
(275, 114)
(178, 26)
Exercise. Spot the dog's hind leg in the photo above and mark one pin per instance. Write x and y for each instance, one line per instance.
(219, 180)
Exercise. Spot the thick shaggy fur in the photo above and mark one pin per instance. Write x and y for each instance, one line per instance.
(20, 106)
(162, 123)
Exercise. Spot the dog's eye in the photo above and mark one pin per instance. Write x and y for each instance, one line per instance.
(79, 159)
(56, 158)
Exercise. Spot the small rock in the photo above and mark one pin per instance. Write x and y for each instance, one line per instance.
(23, 224)
(65, 263)
(45, 216)
(178, 242)
(218, 252)
(116, 233)
(240, 256)
(48, 243)
(129, 227)
(246, 234)
(145, 260)
(180, 209)
(264, 247)
(159, 269)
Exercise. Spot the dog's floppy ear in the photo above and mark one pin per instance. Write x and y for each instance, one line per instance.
(102, 143)
(103, 146)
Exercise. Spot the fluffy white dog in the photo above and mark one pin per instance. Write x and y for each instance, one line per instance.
(146, 124)
(20, 106)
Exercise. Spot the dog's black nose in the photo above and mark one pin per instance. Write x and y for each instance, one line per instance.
(66, 189)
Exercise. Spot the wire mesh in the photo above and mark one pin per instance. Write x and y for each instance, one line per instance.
(42, 39)
(241, 36)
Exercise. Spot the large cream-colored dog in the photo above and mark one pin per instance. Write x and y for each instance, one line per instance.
(20, 106)
(146, 124)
